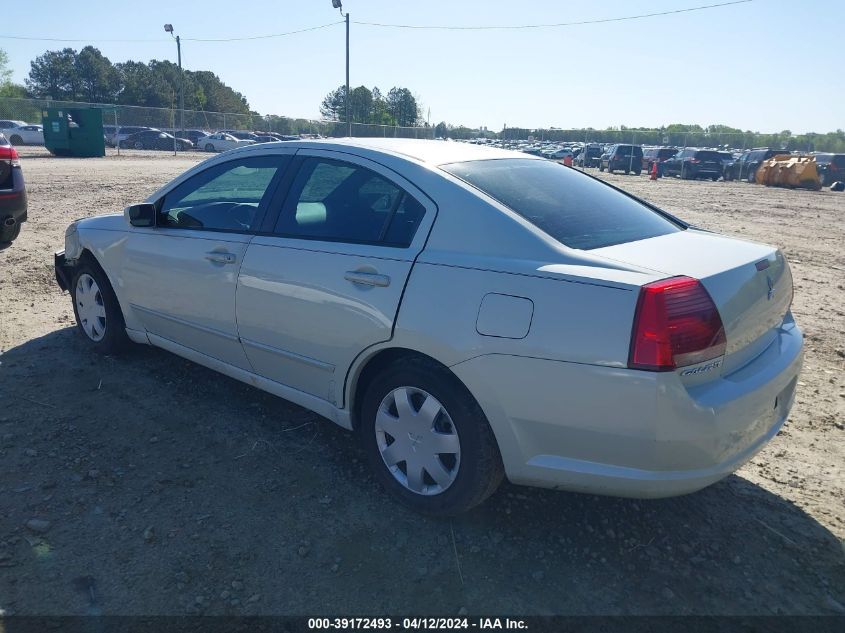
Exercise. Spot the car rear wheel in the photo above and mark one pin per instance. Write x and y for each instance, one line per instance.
(9, 230)
(16, 139)
(97, 311)
(751, 176)
(427, 439)
(209, 147)
(139, 145)
(601, 167)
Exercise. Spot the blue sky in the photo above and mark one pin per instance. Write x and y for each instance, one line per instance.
(767, 65)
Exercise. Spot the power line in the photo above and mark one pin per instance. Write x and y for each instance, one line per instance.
(392, 26)
(546, 26)
(262, 37)
(187, 39)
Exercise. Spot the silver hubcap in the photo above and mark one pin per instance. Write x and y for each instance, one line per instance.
(90, 308)
(418, 441)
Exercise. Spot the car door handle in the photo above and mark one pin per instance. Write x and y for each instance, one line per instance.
(220, 258)
(367, 279)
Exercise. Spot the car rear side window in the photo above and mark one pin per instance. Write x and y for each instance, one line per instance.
(225, 197)
(575, 209)
(337, 201)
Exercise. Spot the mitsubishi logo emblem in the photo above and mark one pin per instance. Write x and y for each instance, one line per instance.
(771, 285)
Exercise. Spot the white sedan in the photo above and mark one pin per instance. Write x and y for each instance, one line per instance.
(471, 313)
(221, 142)
(26, 135)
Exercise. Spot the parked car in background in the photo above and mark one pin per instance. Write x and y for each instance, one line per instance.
(691, 163)
(13, 205)
(221, 142)
(620, 157)
(830, 167)
(265, 138)
(592, 342)
(26, 135)
(155, 139)
(657, 155)
(8, 124)
(727, 159)
(125, 131)
(590, 156)
(745, 167)
(241, 134)
(193, 135)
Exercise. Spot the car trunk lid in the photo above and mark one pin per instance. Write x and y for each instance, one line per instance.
(750, 283)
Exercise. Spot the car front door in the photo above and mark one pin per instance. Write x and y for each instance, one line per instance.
(180, 276)
(326, 284)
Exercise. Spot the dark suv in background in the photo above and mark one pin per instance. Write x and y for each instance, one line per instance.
(831, 167)
(745, 167)
(12, 193)
(694, 163)
(657, 155)
(627, 158)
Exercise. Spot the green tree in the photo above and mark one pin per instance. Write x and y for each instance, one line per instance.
(402, 106)
(54, 75)
(99, 81)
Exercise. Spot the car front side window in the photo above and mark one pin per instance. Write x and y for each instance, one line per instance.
(224, 197)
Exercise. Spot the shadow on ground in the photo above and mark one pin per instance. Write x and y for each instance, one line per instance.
(168, 488)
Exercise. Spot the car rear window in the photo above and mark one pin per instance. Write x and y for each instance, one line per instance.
(705, 155)
(636, 150)
(576, 210)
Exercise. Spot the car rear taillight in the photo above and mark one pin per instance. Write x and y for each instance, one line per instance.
(676, 324)
(10, 154)
(694, 160)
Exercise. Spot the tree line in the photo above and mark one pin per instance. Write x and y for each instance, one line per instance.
(87, 75)
(398, 107)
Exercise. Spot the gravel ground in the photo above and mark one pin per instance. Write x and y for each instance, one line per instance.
(146, 484)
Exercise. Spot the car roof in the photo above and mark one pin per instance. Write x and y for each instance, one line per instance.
(424, 151)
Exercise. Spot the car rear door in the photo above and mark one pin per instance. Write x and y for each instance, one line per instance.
(180, 276)
(325, 282)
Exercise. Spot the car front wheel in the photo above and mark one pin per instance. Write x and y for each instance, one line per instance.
(97, 311)
(209, 147)
(427, 439)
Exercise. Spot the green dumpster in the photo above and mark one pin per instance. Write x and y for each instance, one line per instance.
(74, 131)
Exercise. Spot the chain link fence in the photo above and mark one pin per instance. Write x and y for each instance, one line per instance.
(171, 119)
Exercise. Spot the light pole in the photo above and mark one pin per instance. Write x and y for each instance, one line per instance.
(168, 28)
(337, 4)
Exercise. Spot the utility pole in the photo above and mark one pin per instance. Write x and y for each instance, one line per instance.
(168, 28)
(338, 4)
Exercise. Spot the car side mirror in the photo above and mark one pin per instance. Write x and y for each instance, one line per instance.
(143, 214)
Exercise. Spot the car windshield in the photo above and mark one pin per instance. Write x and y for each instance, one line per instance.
(576, 210)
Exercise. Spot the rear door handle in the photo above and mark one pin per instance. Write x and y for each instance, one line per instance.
(367, 279)
(221, 258)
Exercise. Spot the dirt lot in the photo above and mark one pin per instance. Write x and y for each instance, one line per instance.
(164, 488)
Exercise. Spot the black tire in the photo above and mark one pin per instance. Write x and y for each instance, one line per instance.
(637, 172)
(751, 176)
(609, 170)
(139, 145)
(114, 338)
(480, 470)
(714, 178)
(9, 234)
(15, 139)
(601, 167)
(684, 173)
(209, 147)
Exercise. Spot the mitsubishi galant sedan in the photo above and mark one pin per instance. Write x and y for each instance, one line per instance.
(471, 313)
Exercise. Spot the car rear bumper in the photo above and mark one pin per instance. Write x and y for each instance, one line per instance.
(13, 202)
(631, 433)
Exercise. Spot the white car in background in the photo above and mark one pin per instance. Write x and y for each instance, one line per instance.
(26, 135)
(221, 142)
(470, 312)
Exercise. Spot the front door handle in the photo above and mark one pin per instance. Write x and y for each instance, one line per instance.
(220, 258)
(367, 279)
